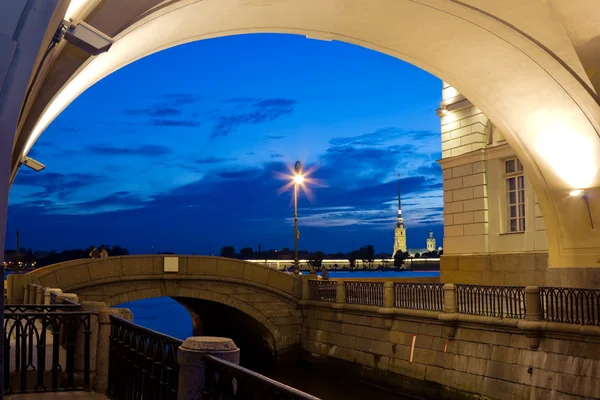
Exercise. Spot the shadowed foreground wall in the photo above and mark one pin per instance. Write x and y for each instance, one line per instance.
(493, 361)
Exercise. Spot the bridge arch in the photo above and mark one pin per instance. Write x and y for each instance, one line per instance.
(523, 74)
(267, 296)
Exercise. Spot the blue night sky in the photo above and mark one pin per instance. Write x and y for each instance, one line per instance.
(182, 150)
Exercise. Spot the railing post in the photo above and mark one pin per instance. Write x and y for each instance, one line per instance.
(103, 345)
(533, 304)
(39, 295)
(388, 295)
(192, 368)
(48, 294)
(450, 304)
(88, 335)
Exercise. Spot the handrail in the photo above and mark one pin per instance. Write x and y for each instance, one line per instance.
(226, 380)
(142, 362)
(28, 308)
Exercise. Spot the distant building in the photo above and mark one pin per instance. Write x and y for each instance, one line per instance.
(430, 242)
(400, 230)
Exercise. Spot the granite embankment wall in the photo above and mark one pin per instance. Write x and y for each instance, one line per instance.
(447, 355)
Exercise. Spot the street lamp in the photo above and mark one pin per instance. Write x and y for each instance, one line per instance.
(298, 180)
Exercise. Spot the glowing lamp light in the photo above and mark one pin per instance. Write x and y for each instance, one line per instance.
(299, 179)
(75, 7)
(577, 193)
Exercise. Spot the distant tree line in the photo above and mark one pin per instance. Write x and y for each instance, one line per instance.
(54, 257)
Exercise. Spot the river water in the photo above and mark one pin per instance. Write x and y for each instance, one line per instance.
(165, 315)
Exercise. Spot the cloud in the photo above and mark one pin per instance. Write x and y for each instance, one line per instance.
(274, 137)
(146, 150)
(54, 183)
(276, 155)
(382, 136)
(172, 122)
(240, 174)
(213, 160)
(260, 112)
(180, 99)
(430, 169)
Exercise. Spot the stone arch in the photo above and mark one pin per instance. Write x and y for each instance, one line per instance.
(268, 296)
(536, 93)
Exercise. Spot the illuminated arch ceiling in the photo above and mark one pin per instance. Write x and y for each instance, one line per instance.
(514, 59)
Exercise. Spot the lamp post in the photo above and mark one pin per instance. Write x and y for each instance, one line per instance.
(298, 180)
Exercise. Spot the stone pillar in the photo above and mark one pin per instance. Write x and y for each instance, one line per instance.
(26, 293)
(305, 288)
(192, 368)
(450, 304)
(48, 294)
(103, 345)
(95, 307)
(388, 295)
(533, 304)
(340, 292)
(39, 295)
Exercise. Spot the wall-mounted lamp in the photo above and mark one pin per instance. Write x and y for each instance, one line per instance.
(583, 194)
(442, 111)
(577, 193)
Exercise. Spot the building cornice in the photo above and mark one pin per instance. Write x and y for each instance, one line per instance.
(485, 154)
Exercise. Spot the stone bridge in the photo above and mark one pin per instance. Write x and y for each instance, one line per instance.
(224, 296)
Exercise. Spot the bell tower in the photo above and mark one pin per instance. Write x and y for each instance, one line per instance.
(400, 230)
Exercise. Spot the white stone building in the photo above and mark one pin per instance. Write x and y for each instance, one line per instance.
(493, 226)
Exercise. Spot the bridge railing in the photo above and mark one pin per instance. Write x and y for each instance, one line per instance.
(491, 301)
(367, 293)
(419, 296)
(322, 290)
(571, 305)
(144, 364)
(33, 358)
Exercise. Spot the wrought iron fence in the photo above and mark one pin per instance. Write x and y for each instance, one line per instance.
(142, 363)
(322, 290)
(491, 301)
(25, 308)
(34, 361)
(228, 381)
(571, 305)
(419, 296)
(367, 293)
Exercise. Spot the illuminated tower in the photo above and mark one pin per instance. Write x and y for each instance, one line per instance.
(430, 242)
(400, 230)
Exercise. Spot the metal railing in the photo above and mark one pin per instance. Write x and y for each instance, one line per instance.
(225, 381)
(142, 362)
(34, 361)
(322, 290)
(571, 305)
(491, 301)
(367, 293)
(25, 308)
(419, 296)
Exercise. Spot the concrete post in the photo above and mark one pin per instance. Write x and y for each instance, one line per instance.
(533, 304)
(26, 293)
(95, 307)
(192, 368)
(305, 288)
(450, 303)
(388, 295)
(103, 345)
(48, 294)
(39, 295)
(340, 292)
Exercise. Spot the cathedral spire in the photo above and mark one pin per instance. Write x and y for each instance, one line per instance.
(400, 219)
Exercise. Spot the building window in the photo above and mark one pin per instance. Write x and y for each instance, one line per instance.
(515, 195)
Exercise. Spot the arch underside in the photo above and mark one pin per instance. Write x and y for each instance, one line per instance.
(548, 114)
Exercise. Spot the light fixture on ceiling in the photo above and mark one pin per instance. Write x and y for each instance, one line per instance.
(86, 37)
(33, 164)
